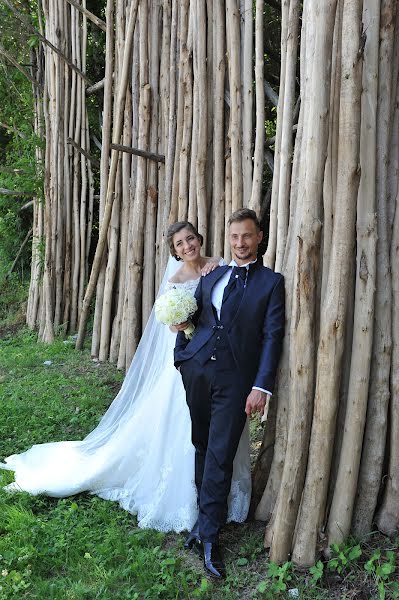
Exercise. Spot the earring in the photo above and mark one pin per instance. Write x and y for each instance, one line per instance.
(176, 257)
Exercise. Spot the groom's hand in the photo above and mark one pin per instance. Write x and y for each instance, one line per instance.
(256, 402)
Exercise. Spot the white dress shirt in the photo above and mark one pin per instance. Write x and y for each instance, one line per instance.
(217, 297)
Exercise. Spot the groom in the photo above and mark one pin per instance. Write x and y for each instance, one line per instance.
(228, 370)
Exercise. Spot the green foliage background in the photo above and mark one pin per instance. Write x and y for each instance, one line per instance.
(18, 142)
(17, 139)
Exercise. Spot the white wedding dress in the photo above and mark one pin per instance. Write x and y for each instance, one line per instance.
(140, 454)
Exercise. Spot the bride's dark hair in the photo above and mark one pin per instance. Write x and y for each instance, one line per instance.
(175, 228)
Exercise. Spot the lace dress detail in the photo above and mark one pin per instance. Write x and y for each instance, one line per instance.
(140, 454)
(189, 286)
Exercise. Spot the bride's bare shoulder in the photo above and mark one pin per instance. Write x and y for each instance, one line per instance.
(178, 277)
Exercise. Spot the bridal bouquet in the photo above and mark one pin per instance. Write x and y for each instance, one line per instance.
(176, 306)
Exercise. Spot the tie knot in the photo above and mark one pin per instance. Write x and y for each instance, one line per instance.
(240, 272)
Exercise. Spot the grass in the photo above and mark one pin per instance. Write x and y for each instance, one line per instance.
(13, 293)
(83, 548)
(50, 393)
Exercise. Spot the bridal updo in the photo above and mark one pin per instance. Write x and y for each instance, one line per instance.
(175, 228)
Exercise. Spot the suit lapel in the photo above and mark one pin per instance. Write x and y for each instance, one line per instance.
(212, 279)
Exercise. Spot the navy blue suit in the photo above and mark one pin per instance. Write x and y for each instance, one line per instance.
(219, 366)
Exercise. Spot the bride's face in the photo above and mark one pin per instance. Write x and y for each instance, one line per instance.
(186, 244)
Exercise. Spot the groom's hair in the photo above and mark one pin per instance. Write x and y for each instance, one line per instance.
(175, 228)
(242, 214)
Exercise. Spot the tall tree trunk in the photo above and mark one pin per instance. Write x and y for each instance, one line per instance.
(202, 208)
(233, 23)
(219, 23)
(247, 98)
(345, 486)
(118, 119)
(377, 412)
(330, 350)
(255, 199)
(286, 133)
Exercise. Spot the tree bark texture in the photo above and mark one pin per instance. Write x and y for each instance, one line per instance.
(345, 172)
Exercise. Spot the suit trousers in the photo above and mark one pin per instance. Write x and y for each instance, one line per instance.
(216, 400)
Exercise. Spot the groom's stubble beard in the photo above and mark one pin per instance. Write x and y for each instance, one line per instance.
(246, 257)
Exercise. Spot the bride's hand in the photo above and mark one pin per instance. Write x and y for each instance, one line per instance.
(180, 326)
(208, 268)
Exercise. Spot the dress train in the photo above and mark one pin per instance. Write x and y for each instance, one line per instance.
(140, 454)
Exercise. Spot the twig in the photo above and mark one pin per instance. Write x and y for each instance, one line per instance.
(27, 205)
(20, 68)
(14, 129)
(6, 192)
(269, 159)
(45, 40)
(19, 253)
(137, 152)
(271, 94)
(99, 22)
(84, 152)
(96, 87)
(11, 170)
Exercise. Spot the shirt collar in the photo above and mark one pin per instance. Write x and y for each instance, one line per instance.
(234, 264)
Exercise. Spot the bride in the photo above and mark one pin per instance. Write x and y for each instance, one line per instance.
(141, 454)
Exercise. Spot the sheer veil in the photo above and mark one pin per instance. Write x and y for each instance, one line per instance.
(79, 469)
(150, 358)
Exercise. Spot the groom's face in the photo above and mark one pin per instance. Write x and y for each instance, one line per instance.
(244, 241)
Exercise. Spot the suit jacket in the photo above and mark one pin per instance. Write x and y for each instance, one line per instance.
(256, 332)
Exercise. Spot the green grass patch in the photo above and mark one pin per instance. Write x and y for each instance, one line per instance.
(50, 393)
(84, 548)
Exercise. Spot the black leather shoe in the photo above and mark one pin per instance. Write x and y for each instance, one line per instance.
(213, 561)
(192, 538)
